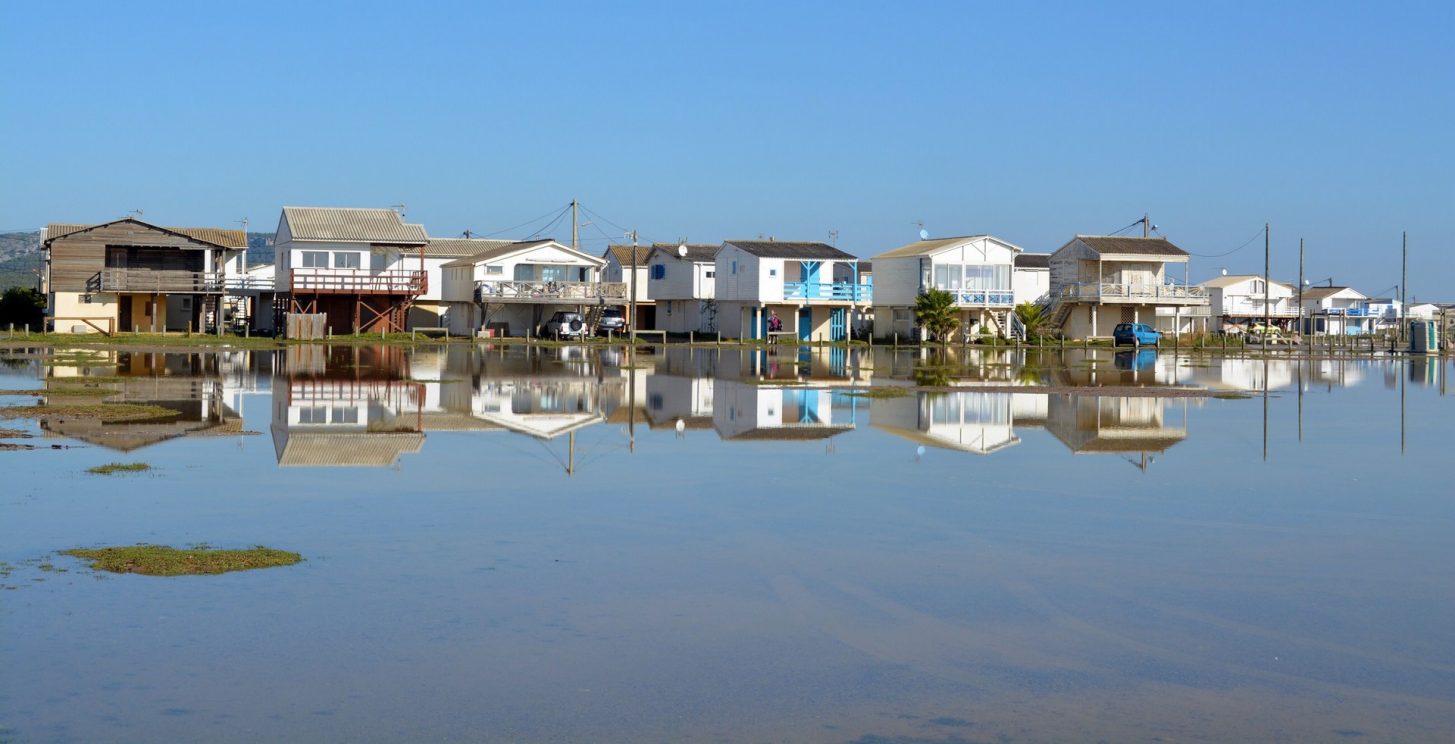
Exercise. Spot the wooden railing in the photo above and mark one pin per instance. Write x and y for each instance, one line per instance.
(324, 281)
(1132, 292)
(514, 291)
(147, 280)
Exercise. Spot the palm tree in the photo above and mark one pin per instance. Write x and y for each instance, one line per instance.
(935, 311)
(1035, 318)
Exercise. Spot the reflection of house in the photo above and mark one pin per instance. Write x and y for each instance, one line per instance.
(1098, 424)
(743, 412)
(1239, 302)
(363, 268)
(812, 288)
(188, 386)
(674, 398)
(969, 422)
(540, 408)
(512, 288)
(1243, 375)
(345, 406)
(1100, 281)
(682, 283)
(127, 274)
(976, 270)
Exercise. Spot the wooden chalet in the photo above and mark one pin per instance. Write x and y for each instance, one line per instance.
(130, 275)
(362, 268)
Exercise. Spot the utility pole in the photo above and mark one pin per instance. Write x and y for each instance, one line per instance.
(1266, 310)
(633, 313)
(1146, 226)
(575, 227)
(1404, 277)
(1299, 330)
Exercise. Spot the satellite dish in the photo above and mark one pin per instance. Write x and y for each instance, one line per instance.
(924, 234)
(1225, 272)
(682, 250)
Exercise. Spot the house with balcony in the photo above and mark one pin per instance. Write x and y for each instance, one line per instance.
(976, 270)
(510, 288)
(625, 263)
(362, 268)
(813, 289)
(681, 280)
(1099, 281)
(1336, 311)
(1239, 302)
(131, 275)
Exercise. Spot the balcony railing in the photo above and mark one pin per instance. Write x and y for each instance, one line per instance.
(515, 291)
(841, 291)
(1103, 291)
(978, 297)
(147, 280)
(250, 283)
(324, 281)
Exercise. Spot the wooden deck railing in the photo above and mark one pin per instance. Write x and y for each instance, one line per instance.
(324, 281)
(147, 280)
(1107, 291)
(513, 291)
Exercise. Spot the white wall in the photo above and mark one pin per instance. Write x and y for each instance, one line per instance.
(1030, 284)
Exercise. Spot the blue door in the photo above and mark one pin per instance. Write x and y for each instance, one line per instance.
(805, 323)
(838, 324)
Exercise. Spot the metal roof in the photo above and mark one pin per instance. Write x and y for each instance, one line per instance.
(217, 236)
(791, 250)
(1131, 246)
(460, 247)
(352, 225)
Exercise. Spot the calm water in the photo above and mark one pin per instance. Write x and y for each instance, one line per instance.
(568, 545)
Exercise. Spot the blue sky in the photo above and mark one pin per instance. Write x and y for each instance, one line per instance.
(1032, 122)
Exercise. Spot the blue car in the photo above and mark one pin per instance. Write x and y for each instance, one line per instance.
(1135, 334)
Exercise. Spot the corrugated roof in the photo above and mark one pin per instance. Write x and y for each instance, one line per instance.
(460, 247)
(927, 247)
(786, 249)
(352, 225)
(1033, 261)
(348, 449)
(696, 252)
(217, 236)
(1131, 246)
(495, 251)
(1319, 293)
(1232, 279)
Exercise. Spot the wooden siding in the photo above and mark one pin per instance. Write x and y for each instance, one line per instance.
(76, 258)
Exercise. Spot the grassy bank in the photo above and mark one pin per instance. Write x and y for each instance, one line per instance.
(162, 560)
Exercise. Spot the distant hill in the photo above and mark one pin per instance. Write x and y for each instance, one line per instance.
(20, 256)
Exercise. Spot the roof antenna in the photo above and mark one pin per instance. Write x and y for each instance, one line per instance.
(834, 238)
(923, 233)
(137, 213)
(400, 207)
(467, 233)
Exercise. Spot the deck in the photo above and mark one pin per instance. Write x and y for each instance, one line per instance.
(1134, 294)
(155, 281)
(306, 281)
(612, 293)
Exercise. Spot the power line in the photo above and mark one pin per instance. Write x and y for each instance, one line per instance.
(552, 223)
(1256, 236)
(528, 222)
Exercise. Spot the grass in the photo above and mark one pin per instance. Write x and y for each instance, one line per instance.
(103, 411)
(879, 392)
(119, 467)
(61, 390)
(163, 560)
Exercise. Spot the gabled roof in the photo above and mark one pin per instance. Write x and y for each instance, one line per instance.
(790, 250)
(696, 252)
(1115, 244)
(931, 247)
(215, 236)
(1033, 261)
(460, 247)
(1230, 280)
(352, 225)
(1319, 293)
(492, 253)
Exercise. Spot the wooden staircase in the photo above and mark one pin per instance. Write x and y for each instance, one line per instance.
(593, 318)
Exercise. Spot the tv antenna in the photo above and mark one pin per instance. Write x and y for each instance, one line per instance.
(834, 238)
(923, 233)
(400, 207)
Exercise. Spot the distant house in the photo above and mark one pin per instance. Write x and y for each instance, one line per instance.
(812, 288)
(1032, 277)
(680, 279)
(1237, 303)
(1335, 311)
(512, 288)
(1098, 282)
(976, 270)
(128, 274)
(623, 262)
(362, 268)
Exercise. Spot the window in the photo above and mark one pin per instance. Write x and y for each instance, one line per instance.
(492, 269)
(346, 260)
(313, 415)
(378, 261)
(659, 271)
(735, 267)
(344, 416)
(772, 272)
(315, 260)
(711, 273)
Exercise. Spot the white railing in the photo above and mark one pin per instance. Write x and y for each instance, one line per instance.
(1148, 292)
(516, 291)
(250, 283)
(358, 282)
